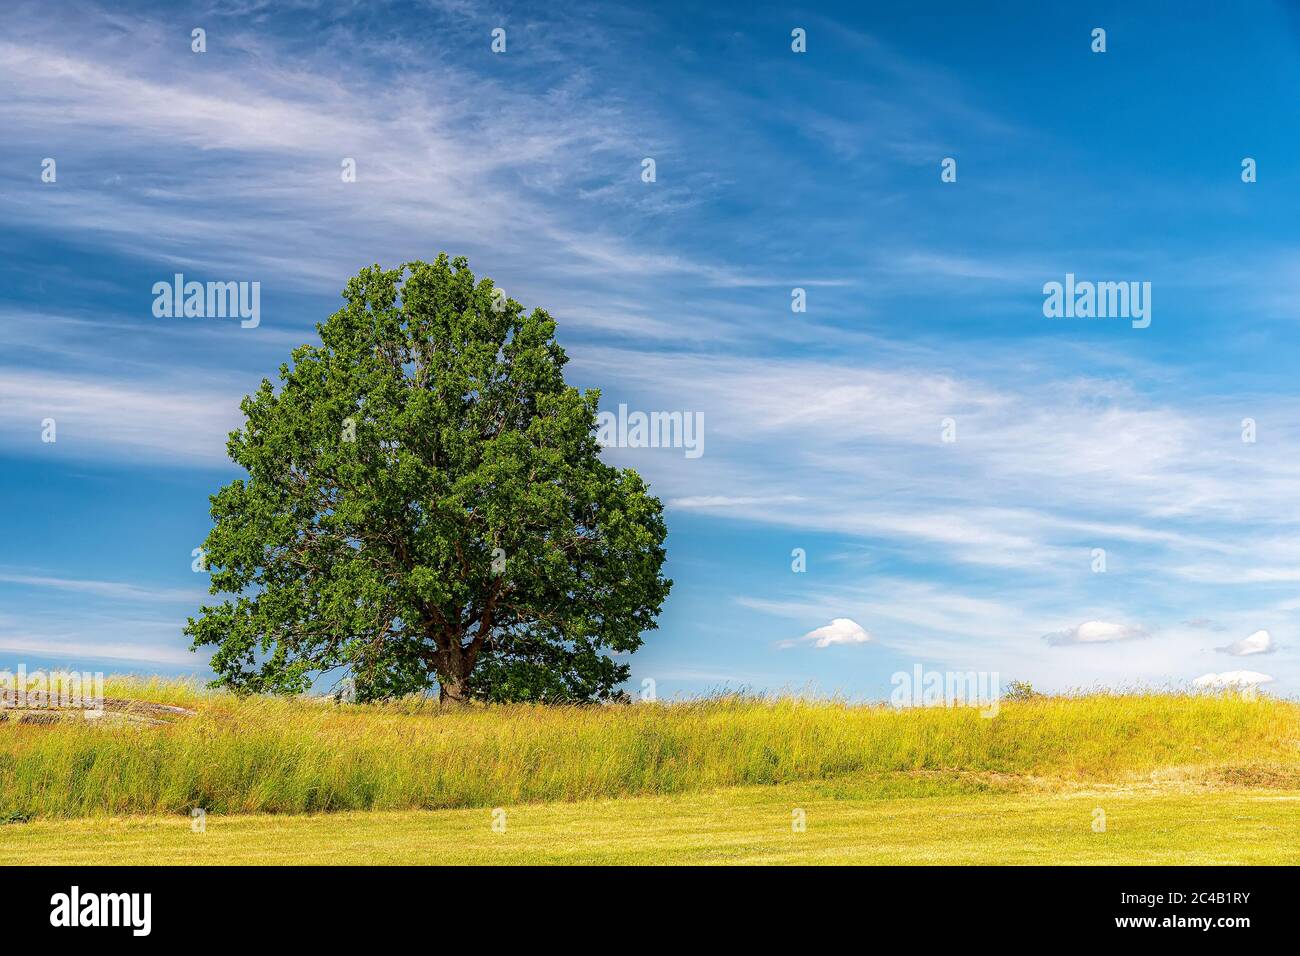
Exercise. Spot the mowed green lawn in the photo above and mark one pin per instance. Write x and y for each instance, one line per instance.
(847, 821)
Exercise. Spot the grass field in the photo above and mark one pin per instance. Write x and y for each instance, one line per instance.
(1176, 779)
(734, 825)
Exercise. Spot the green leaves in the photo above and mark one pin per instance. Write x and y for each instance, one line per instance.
(425, 502)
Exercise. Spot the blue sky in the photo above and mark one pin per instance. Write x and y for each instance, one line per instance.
(774, 170)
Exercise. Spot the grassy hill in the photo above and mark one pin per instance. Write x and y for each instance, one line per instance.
(1178, 778)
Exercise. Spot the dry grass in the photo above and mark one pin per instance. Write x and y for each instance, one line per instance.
(259, 755)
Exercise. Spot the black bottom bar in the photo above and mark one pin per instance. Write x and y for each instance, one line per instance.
(332, 905)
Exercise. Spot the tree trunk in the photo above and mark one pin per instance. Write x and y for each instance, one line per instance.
(453, 693)
(453, 679)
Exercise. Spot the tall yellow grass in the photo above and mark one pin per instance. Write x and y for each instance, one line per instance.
(275, 755)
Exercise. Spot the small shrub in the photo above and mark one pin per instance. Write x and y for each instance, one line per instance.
(1020, 690)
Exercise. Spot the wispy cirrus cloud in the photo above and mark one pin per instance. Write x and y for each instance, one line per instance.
(174, 421)
(78, 652)
(114, 590)
(1095, 632)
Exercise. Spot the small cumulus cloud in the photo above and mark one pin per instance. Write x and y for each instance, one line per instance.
(1261, 642)
(1095, 632)
(841, 630)
(1237, 679)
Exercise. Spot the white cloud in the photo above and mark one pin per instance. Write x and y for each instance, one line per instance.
(1238, 679)
(1042, 470)
(173, 420)
(725, 501)
(841, 630)
(117, 590)
(102, 648)
(1260, 642)
(442, 170)
(1095, 632)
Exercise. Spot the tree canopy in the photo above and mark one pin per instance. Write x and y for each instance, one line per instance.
(425, 503)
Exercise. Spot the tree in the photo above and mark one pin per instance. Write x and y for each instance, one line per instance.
(425, 503)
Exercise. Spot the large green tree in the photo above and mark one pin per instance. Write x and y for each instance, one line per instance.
(425, 503)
